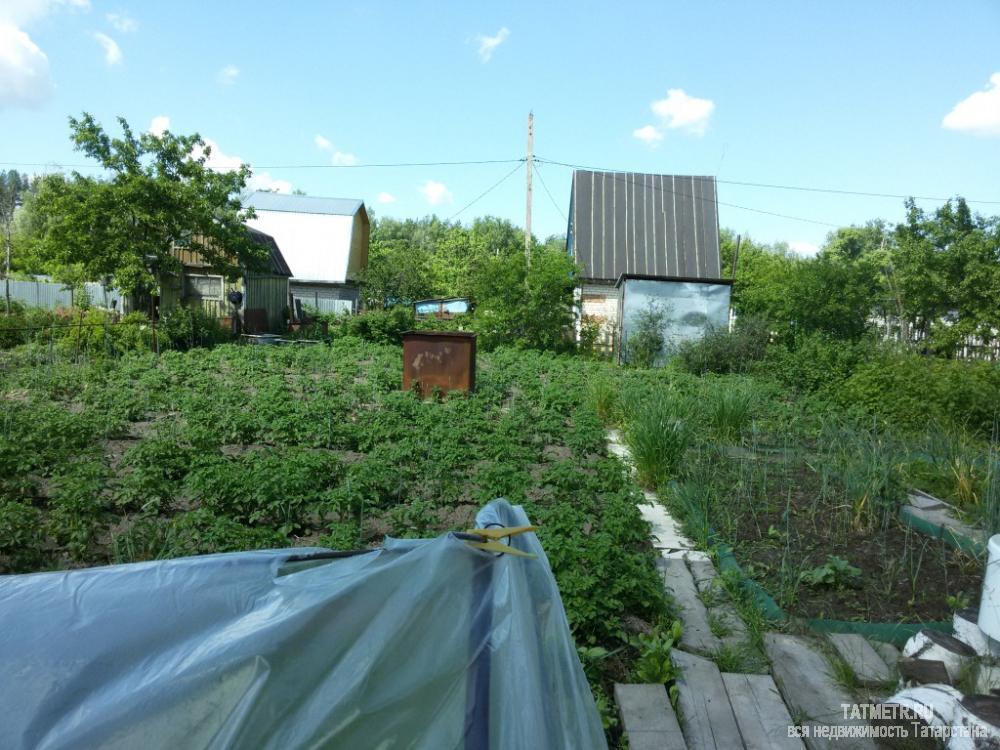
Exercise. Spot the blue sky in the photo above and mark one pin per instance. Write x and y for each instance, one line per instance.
(887, 97)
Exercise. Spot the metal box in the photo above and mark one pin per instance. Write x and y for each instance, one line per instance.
(439, 359)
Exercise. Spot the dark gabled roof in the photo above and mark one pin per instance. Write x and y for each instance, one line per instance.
(278, 265)
(633, 223)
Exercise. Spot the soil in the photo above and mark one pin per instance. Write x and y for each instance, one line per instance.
(905, 576)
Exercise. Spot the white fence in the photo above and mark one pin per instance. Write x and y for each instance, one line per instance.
(50, 294)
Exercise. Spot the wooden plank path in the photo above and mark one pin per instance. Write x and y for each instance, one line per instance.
(813, 696)
(869, 668)
(709, 722)
(760, 712)
(679, 582)
(728, 711)
(648, 718)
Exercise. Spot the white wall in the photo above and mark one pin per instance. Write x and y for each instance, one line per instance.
(316, 246)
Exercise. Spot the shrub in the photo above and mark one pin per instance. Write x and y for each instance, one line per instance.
(723, 351)
(185, 327)
(816, 361)
(378, 326)
(909, 390)
(646, 342)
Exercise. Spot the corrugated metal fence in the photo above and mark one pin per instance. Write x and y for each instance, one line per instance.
(50, 294)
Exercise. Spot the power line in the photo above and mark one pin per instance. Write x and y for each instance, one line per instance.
(836, 191)
(713, 201)
(546, 188)
(295, 166)
(488, 190)
(803, 188)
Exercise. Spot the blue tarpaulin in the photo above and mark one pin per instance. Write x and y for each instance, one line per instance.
(418, 644)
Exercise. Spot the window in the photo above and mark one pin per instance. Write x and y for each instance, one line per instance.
(204, 287)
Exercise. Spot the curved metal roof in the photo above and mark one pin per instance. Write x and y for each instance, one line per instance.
(303, 204)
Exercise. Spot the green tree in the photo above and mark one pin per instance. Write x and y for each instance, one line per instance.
(947, 270)
(157, 193)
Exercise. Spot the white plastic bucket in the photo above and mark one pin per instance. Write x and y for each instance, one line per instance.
(989, 605)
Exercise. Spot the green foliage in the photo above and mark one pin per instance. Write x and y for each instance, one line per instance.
(205, 450)
(377, 326)
(646, 342)
(729, 411)
(816, 361)
(20, 537)
(722, 351)
(184, 327)
(658, 439)
(947, 275)
(836, 572)
(521, 303)
(866, 465)
(909, 390)
(654, 663)
(160, 192)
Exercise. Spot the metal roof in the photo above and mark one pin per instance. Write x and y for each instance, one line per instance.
(634, 223)
(279, 266)
(303, 204)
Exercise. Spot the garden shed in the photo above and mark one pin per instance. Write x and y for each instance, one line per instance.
(324, 240)
(265, 292)
(689, 307)
(633, 227)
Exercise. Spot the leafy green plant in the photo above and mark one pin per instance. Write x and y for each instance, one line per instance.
(654, 663)
(836, 572)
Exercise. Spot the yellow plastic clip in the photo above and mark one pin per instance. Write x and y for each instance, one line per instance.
(493, 537)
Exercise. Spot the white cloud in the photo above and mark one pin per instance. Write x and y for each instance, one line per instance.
(220, 161)
(159, 124)
(435, 192)
(386, 198)
(24, 70)
(648, 135)
(679, 111)
(227, 75)
(112, 52)
(339, 158)
(979, 113)
(343, 159)
(122, 23)
(24, 67)
(800, 247)
(24, 12)
(489, 44)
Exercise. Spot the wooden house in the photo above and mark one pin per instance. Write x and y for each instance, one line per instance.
(265, 304)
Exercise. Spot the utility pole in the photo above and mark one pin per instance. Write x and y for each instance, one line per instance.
(527, 207)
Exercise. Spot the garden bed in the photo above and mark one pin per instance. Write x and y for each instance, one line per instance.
(235, 448)
(904, 576)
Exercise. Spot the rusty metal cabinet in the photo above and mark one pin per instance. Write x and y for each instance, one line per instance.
(439, 359)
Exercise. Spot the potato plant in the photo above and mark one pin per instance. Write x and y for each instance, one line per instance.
(235, 448)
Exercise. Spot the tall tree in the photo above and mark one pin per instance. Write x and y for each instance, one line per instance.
(157, 193)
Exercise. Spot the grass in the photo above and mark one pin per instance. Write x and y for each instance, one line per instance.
(658, 436)
(730, 412)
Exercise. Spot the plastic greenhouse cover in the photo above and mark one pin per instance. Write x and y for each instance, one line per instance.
(419, 644)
